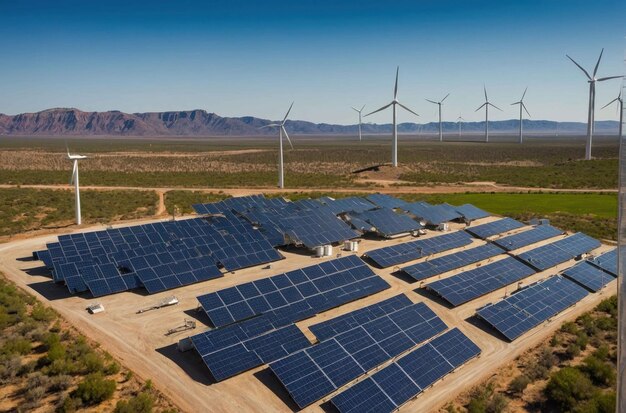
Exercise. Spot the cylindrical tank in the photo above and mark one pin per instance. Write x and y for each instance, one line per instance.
(328, 250)
(319, 251)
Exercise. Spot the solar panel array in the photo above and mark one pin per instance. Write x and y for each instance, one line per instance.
(312, 373)
(470, 212)
(311, 283)
(433, 214)
(559, 251)
(450, 262)
(386, 201)
(391, 387)
(531, 306)
(495, 227)
(522, 239)
(387, 222)
(238, 204)
(606, 261)
(479, 281)
(158, 256)
(350, 204)
(337, 325)
(408, 251)
(589, 276)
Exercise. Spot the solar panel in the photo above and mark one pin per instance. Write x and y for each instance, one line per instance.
(247, 300)
(354, 204)
(450, 262)
(495, 227)
(589, 276)
(433, 214)
(386, 222)
(606, 261)
(559, 251)
(470, 212)
(522, 239)
(168, 275)
(386, 201)
(337, 325)
(408, 251)
(312, 373)
(391, 387)
(479, 281)
(531, 306)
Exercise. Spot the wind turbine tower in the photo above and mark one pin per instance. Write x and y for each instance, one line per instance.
(440, 124)
(486, 105)
(460, 120)
(359, 111)
(592, 99)
(620, 107)
(521, 120)
(74, 180)
(394, 102)
(281, 131)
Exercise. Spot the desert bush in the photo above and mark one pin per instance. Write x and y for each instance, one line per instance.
(60, 382)
(519, 384)
(569, 327)
(94, 389)
(497, 403)
(92, 362)
(601, 373)
(111, 368)
(42, 313)
(34, 394)
(567, 387)
(38, 380)
(599, 403)
(572, 350)
(68, 405)
(608, 306)
(16, 345)
(602, 352)
(536, 371)
(141, 403)
(547, 359)
(582, 339)
(9, 367)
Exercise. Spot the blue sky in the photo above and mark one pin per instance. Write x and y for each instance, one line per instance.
(239, 58)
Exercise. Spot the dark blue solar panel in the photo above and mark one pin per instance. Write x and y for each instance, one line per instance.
(606, 261)
(388, 223)
(589, 276)
(495, 227)
(531, 306)
(522, 239)
(391, 387)
(386, 201)
(479, 281)
(341, 359)
(337, 325)
(450, 262)
(560, 251)
(433, 214)
(408, 251)
(470, 212)
(354, 204)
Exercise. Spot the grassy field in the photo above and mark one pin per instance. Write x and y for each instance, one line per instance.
(24, 209)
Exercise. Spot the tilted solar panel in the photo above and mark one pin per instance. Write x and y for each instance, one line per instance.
(433, 214)
(470, 212)
(589, 276)
(388, 223)
(355, 204)
(559, 251)
(606, 261)
(386, 201)
(529, 307)
(522, 239)
(495, 227)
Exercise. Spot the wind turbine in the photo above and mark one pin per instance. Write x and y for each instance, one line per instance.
(459, 120)
(281, 130)
(359, 112)
(440, 124)
(486, 105)
(394, 102)
(620, 107)
(74, 180)
(592, 99)
(521, 105)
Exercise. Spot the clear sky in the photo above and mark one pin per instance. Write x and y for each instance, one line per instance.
(236, 57)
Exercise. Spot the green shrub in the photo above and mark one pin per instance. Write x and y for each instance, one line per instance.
(141, 403)
(94, 389)
(112, 368)
(569, 327)
(608, 306)
(16, 345)
(60, 382)
(567, 387)
(582, 340)
(497, 404)
(42, 313)
(601, 373)
(599, 403)
(573, 350)
(92, 363)
(68, 405)
(519, 384)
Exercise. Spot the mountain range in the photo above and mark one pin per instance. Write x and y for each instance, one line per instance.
(191, 123)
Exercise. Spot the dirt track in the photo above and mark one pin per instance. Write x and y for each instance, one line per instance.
(138, 340)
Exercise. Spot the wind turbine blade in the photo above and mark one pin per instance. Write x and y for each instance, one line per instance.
(524, 94)
(602, 79)
(405, 108)
(579, 66)
(515, 103)
(491, 104)
(614, 100)
(68, 149)
(485, 90)
(285, 132)
(287, 114)
(355, 109)
(528, 113)
(595, 69)
(480, 107)
(444, 98)
(395, 89)
(271, 125)
(362, 107)
(431, 101)
(378, 110)
(74, 168)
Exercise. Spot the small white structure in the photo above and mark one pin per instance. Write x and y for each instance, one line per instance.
(328, 250)
(319, 251)
(443, 227)
(351, 246)
(95, 308)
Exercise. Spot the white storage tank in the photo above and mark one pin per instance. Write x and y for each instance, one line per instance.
(347, 246)
(319, 251)
(328, 250)
(354, 246)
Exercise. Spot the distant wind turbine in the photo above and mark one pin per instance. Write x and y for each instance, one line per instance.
(394, 102)
(281, 131)
(620, 107)
(592, 100)
(460, 120)
(521, 120)
(74, 180)
(359, 111)
(440, 124)
(486, 105)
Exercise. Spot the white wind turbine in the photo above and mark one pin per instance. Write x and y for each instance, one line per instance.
(486, 105)
(592, 100)
(620, 107)
(359, 111)
(440, 124)
(281, 130)
(394, 102)
(521, 120)
(74, 180)
(460, 120)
